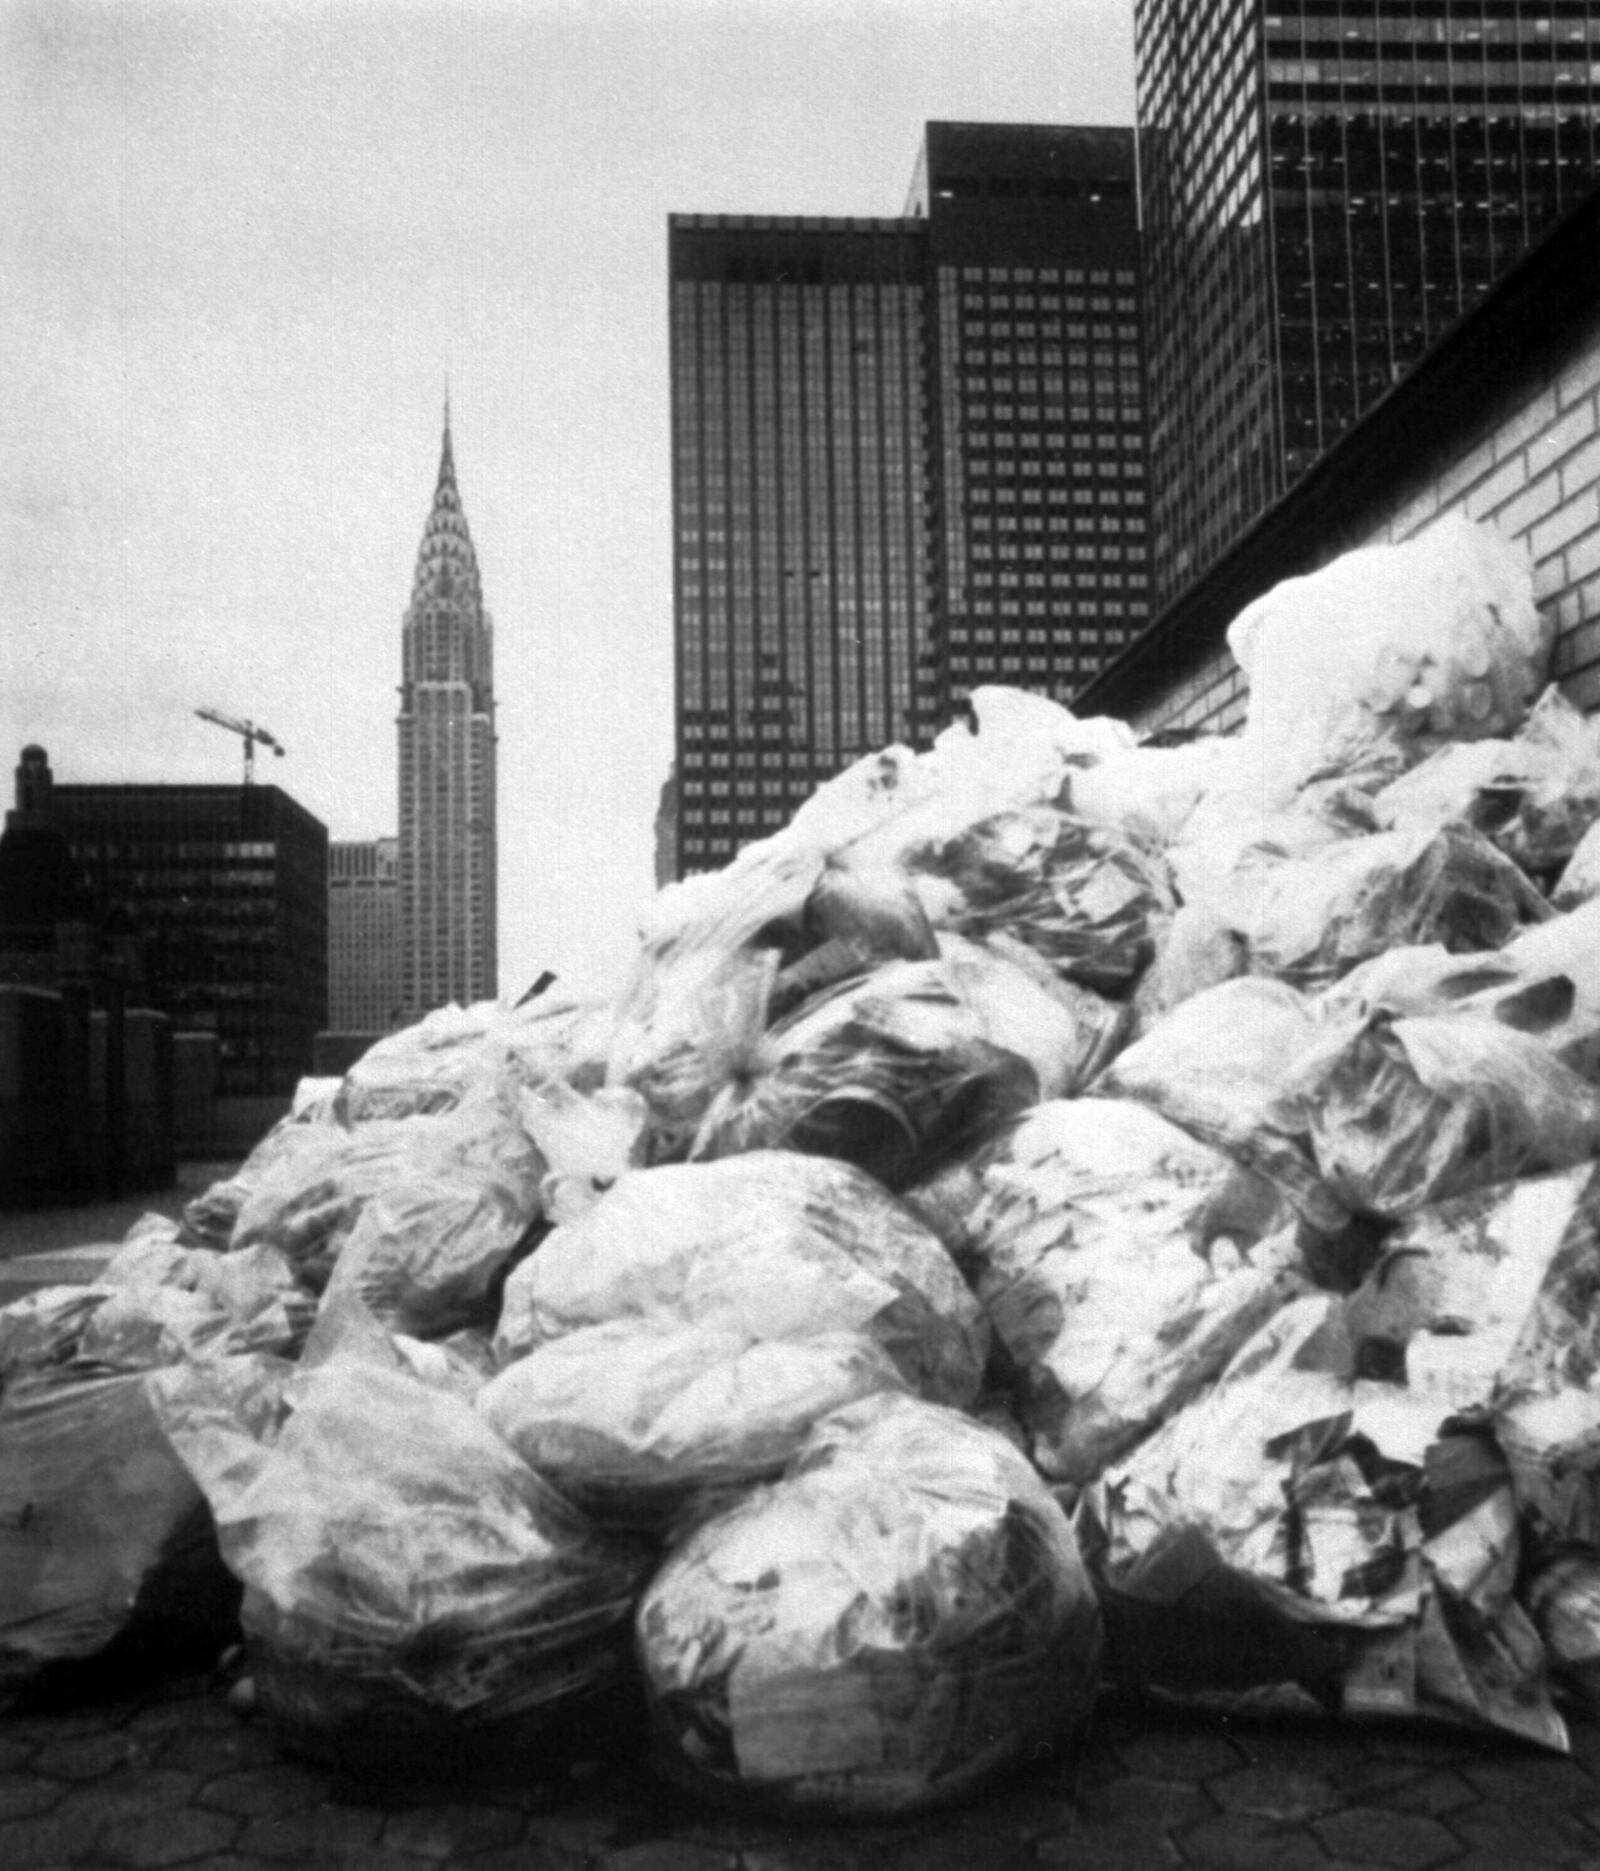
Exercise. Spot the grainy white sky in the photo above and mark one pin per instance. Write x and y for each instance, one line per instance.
(241, 244)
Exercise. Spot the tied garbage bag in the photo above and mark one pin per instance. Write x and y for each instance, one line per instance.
(901, 1617)
(1090, 902)
(638, 1419)
(1121, 1262)
(1300, 1525)
(1403, 1112)
(769, 1244)
(412, 1588)
(888, 1073)
(1398, 647)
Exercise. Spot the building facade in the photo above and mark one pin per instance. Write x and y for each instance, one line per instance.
(1035, 471)
(447, 840)
(227, 887)
(1326, 188)
(363, 935)
(907, 460)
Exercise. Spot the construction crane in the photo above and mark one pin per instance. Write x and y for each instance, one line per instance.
(251, 734)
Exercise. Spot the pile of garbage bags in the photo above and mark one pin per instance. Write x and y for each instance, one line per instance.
(1064, 1210)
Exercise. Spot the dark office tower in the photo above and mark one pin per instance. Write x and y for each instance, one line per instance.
(447, 769)
(797, 417)
(1326, 187)
(227, 889)
(1036, 468)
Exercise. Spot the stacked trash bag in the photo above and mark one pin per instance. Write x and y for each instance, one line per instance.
(1066, 1210)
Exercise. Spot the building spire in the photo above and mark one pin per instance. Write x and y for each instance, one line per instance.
(447, 460)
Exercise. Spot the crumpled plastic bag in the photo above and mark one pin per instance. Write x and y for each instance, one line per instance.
(637, 1420)
(588, 1139)
(1091, 902)
(1310, 920)
(1332, 1531)
(900, 1618)
(410, 1584)
(102, 1531)
(1121, 1262)
(888, 1073)
(1579, 882)
(1221, 1065)
(1401, 645)
(1402, 1112)
(1150, 794)
(769, 1244)
(1563, 1598)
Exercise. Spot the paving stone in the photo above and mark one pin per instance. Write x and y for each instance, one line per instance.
(261, 1792)
(1405, 1841)
(1274, 1792)
(1519, 1775)
(1525, 1833)
(1161, 1805)
(130, 1793)
(315, 1834)
(1248, 1842)
(581, 1830)
(84, 1757)
(1191, 1754)
(179, 1838)
(1106, 1848)
(667, 1855)
(1440, 1791)
(22, 1795)
(819, 1849)
(212, 1752)
(448, 1832)
(936, 1847)
(15, 1753)
(58, 1837)
(529, 1857)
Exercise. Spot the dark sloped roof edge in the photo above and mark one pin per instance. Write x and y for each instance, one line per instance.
(1507, 342)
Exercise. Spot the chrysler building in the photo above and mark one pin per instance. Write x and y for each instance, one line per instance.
(447, 768)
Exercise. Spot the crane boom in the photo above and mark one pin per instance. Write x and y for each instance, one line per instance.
(250, 733)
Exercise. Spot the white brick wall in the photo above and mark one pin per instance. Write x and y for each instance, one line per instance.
(1534, 474)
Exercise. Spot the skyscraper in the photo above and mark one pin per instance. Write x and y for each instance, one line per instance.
(363, 934)
(907, 460)
(447, 768)
(1326, 186)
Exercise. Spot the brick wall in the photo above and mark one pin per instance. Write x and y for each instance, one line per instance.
(1533, 470)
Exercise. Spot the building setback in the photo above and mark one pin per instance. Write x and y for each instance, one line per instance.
(907, 460)
(228, 888)
(1326, 188)
(447, 897)
(363, 935)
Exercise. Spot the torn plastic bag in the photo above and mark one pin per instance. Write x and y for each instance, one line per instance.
(1065, 1032)
(768, 1244)
(1403, 1112)
(1403, 645)
(40, 1331)
(1220, 1066)
(1486, 1300)
(1121, 1262)
(412, 1588)
(1562, 798)
(640, 1420)
(1310, 920)
(104, 1538)
(889, 1073)
(899, 1619)
(1089, 901)
(1316, 1528)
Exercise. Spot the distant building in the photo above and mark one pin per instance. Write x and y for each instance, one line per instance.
(907, 460)
(446, 846)
(363, 935)
(227, 887)
(1325, 191)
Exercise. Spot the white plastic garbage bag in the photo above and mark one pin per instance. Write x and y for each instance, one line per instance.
(901, 1617)
(771, 1245)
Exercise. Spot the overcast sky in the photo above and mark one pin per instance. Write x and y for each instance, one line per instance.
(241, 246)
